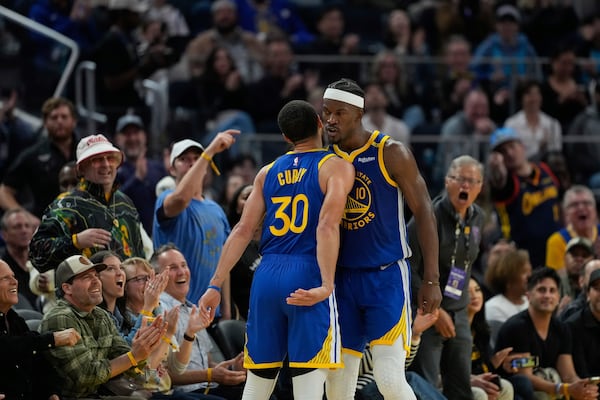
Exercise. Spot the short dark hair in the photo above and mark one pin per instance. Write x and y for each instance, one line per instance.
(539, 274)
(347, 85)
(298, 120)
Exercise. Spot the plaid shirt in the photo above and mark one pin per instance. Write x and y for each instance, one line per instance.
(85, 366)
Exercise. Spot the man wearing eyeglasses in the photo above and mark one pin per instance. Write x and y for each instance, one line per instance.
(446, 347)
(581, 220)
(94, 216)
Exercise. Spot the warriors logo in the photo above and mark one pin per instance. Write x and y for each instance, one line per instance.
(357, 212)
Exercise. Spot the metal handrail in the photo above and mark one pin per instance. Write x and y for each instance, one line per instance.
(59, 37)
(87, 108)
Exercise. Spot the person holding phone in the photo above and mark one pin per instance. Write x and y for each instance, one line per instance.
(536, 331)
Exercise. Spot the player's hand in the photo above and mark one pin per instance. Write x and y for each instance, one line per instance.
(209, 302)
(303, 297)
(444, 325)
(429, 298)
(67, 337)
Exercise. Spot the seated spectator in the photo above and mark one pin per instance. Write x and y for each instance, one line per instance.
(202, 374)
(507, 42)
(507, 278)
(579, 252)
(564, 98)
(16, 135)
(102, 354)
(36, 169)
(403, 37)
(473, 124)
(514, 181)
(581, 155)
(67, 177)
(281, 83)
(244, 46)
(219, 94)
(580, 219)
(333, 39)
(16, 229)
(457, 78)
(93, 217)
(138, 174)
(536, 332)
(538, 131)
(232, 183)
(585, 330)
(376, 117)
(403, 101)
(580, 301)
(26, 373)
(485, 382)
(273, 18)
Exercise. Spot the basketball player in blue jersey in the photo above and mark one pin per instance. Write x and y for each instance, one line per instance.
(373, 276)
(300, 199)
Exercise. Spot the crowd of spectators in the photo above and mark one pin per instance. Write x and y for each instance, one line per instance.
(513, 84)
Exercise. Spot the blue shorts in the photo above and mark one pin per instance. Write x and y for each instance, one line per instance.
(374, 306)
(308, 335)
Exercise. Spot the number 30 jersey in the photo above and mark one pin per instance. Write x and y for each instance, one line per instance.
(373, 227)
(293, 200)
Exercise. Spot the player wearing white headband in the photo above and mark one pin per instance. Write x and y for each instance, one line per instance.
(373, 275)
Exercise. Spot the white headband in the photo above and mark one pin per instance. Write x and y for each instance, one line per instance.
(346, 97)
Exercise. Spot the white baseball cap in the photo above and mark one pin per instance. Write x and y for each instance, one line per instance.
(93, 145)
(73, 266)
(182, 146)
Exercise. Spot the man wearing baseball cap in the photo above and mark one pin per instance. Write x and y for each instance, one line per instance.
(183, 216)
(102, 354)
(92, 217)
(139, 173)
(526, 194)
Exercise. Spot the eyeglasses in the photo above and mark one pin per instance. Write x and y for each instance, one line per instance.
(111, 158)
(139, 278)
(462, 180)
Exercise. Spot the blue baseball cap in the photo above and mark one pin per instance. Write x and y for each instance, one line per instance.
(501, 136)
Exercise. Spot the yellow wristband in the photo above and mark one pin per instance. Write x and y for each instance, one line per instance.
(173, 345)
(146, 313)
(132, 359)
(209, 374)
(565, 390)
(74, 239)
(133, 362)
(212, 163)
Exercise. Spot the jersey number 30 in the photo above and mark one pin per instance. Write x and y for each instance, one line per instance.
(288, 214)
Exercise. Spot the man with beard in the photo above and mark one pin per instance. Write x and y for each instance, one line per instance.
(245, 48)
(138, 175)
(537, 332)
(36, 169)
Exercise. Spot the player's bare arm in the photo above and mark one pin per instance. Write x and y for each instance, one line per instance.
(336, 178)
(401, 165)
(236, 243)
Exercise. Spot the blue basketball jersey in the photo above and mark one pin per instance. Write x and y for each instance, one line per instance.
(293, 200)
(373, 230)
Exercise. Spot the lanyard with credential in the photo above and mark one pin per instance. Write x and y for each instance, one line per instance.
(458, 276)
